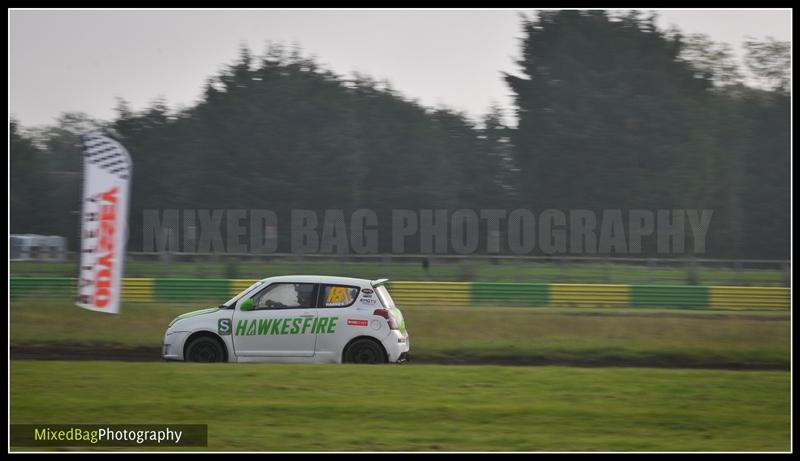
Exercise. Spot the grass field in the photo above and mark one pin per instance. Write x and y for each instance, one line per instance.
(677, 338)
(418, 407)
(504, 270)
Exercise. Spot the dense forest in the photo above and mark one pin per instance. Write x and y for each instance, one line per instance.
(611, 113)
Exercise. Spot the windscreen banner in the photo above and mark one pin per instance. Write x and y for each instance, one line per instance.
(107, 172)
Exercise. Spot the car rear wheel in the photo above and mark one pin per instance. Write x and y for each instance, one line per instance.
(204, 350)
(364, 351)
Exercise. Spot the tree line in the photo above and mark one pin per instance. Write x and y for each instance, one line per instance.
(611, 112)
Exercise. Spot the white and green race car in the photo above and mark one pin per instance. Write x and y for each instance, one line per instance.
(299, 319)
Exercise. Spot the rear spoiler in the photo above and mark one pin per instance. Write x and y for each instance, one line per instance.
(379, 282)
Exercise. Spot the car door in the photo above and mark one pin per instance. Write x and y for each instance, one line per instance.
(339, 320)
(280, 324)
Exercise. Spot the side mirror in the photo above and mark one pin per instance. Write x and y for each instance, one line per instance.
(247, 305)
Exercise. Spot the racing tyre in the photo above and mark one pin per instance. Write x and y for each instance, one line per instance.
(204, 350)
(364, 351)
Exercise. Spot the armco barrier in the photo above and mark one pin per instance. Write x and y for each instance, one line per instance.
(581, 295)
(669, 296)
(137, 290)
(433, 294)
(43, 287)
(182, 290)
(515, 294)
(746, 297)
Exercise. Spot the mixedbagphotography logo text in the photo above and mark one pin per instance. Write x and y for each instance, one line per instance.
(109, 435)
(518, 232)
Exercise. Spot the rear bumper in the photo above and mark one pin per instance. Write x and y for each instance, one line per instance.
(397, 347)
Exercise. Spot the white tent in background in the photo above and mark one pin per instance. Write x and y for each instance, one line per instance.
(32, 247)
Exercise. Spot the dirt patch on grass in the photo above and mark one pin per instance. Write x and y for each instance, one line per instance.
(153, 354)
(85, 352)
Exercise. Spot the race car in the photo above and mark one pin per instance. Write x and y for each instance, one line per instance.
(297, 319)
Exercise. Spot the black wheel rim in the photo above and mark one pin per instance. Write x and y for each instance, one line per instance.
(366, 355)
(204, 352)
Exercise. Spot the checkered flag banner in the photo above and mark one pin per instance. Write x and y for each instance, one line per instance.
(107, 172)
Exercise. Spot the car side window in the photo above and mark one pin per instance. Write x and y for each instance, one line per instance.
(285, 296)
(339, 296)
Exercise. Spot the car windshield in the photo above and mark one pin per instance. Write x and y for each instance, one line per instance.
(229, 303)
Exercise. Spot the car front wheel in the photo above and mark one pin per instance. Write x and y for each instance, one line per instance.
(204, 350)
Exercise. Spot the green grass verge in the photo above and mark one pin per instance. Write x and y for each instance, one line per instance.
(503, 271)
(636, 337)
(263, 407)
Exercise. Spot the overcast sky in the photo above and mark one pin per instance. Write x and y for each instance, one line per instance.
(82, 60)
